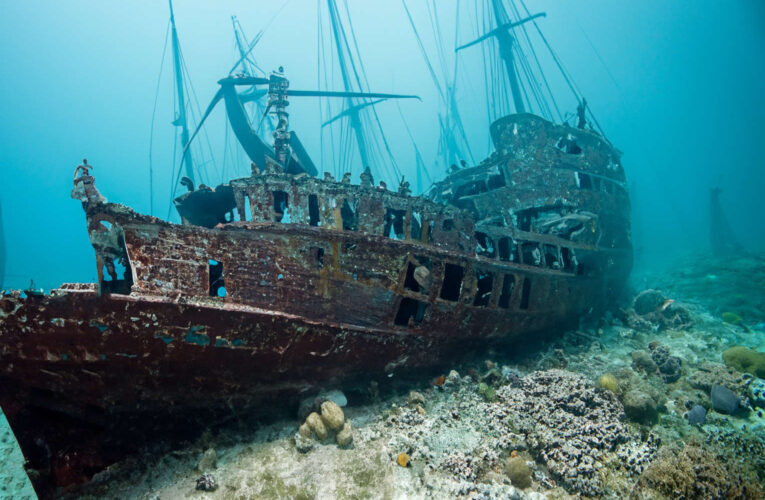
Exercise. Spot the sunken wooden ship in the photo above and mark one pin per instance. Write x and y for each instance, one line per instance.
(282, 282)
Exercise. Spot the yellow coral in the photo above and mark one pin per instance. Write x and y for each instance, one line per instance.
(403, 460)
(609, 382)
(732, 318)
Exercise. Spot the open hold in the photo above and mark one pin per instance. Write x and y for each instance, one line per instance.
(496, 181)
(470, 189)
(217, 284)
(394, 223)
(525, 293)
(508, 284)
(484, 245)
(349, 216)
(452, 286)
(281, 206)
(410, 312)
(313, 210)
(485, 285)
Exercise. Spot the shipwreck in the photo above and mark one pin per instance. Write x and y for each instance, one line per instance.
(282, 282)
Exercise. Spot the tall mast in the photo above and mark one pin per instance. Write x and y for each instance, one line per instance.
(180, 120)
(505, 40)
(353, 113)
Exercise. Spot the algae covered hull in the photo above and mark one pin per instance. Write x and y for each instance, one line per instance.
(278, 284)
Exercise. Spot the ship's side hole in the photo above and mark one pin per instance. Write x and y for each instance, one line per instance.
(552, 257)
(281, 206)
(394, 223)
(313, 210)
(409, 282)
(318, 256)
(410, 310)
(217, 282)
(525, 293)
(508, 283)
(569, 260)
(416, 230)
(484, 245)
(585, 181)
(452, 286)
(496, 181)
(485, 282)
(349, 216)
(117, 275)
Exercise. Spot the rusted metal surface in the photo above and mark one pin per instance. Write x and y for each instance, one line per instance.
(312, 281)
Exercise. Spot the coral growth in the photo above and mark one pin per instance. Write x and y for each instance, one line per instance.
(695, 472)
(651, 311)
(609, 383)
(745, 360)
(519, 472)
(669, 366)
(570, 424)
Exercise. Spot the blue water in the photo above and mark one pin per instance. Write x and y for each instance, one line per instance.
(676, 86)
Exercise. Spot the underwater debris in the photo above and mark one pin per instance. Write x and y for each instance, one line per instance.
(206, 483)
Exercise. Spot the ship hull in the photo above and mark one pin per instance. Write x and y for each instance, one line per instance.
(314, 284)
(89, 378)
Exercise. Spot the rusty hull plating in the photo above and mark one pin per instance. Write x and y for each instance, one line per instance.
(311, 282)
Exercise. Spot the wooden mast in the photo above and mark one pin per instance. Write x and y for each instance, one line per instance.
(180, 120)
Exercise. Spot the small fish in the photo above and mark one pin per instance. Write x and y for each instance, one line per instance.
(438, 382)
(666, 304)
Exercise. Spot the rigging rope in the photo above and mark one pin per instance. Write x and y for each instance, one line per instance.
(153, 115)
